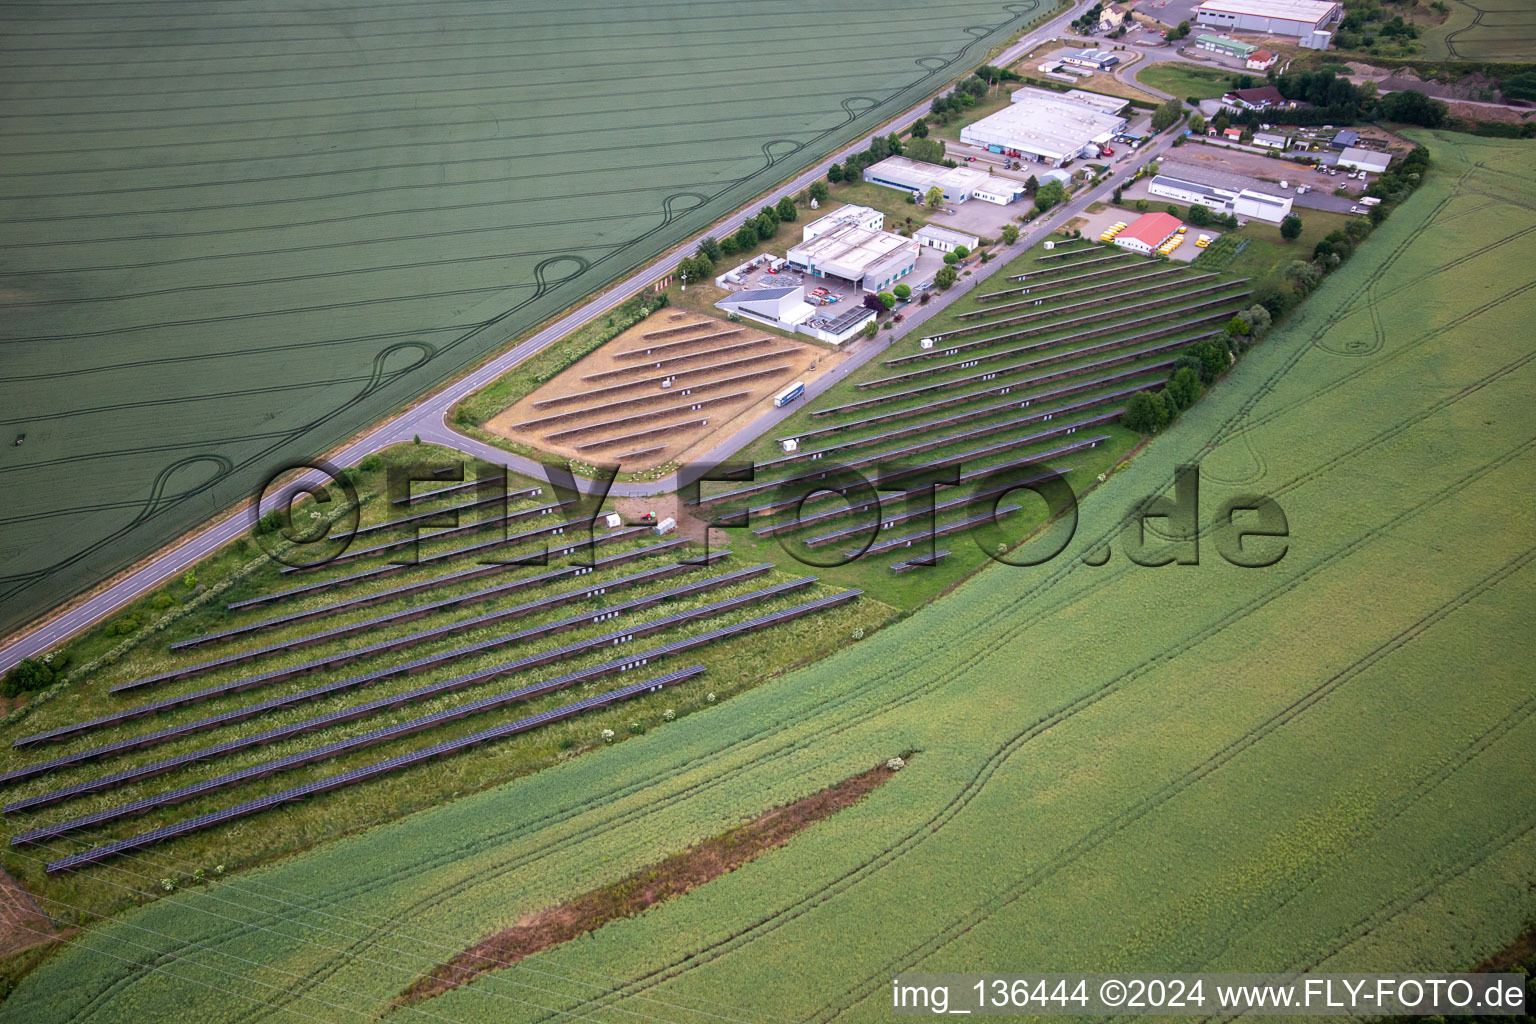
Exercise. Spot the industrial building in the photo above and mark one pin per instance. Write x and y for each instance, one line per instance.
(958, 184)
(1270, 140)
(1044, 127)
(1346, 138)
(783, 308)
(849, 245)
(1148, 231)
(945, 239)
(786, 309)
(1309, 21)
(1222, 193)
(1224, 45)
(1364, 160)
(1097, 60)
(859, 216)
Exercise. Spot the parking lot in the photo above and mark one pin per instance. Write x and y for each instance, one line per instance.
(1263, 174)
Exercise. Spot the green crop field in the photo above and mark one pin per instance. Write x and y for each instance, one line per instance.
(236, 234)
(1321, 764)
(1491, 30)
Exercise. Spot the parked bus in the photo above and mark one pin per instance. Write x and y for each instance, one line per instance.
(789, 394)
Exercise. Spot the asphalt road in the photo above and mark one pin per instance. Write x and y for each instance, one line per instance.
(427, 417)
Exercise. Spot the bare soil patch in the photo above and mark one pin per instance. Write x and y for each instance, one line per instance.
(645, 888)
(22, 922)
(675, 383)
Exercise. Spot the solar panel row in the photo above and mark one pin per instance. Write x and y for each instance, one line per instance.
(974, 413)
(1224, 302)
(890, 519)
(356, 775)
(1116, 273)
(1069, 371)
(501, 590)
(939, 530)
(1067, 268)
(1166, 284)
(353, 682)
(449, 747)
(419, 517)
(441, 492)
(1112, 309)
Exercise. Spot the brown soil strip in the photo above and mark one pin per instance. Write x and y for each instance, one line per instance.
(22, 923)
(645, 888)
(1520, 955)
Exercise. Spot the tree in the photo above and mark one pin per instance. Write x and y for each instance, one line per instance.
(1199, 215)
(1167, 115)
(1145, 412)
(1303, 275)
(950, 259)
(1409, 106)
(710, 246)
(1211, 357)
(1031, 184)
(1183, 388)
(1221, 123)
(1197, 123)
(929, 151)
(945, 278)
(919, 129)
(1259, 321)
(887, 300)
(1116, 198)
(934, 198)
(745, 237)
(870, 328)
(1049, 195)
(835, 173)
(1290, 228)
(786, 210)
(902, 291)
(819, 191)
(766, 226)
(1238, 327)
(1142, 205)
(962, 251)
(1010, 234)
(1180, 31)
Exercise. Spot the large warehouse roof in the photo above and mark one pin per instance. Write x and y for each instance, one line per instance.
(920, 175)
(1288, 10)
(852, 248)
(1043, 123)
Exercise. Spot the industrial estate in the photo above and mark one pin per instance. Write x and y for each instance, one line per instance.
(961, 492)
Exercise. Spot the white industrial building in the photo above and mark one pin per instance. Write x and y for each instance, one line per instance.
(945, 239)
(1043, 126)
(957, 183)
(850, 245)
(1364, 160)
(1219, 198)
(783, 308)
(859, 216)
(1309, 21)
(786, 309)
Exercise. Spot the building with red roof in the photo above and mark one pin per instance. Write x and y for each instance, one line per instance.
(1148, 231)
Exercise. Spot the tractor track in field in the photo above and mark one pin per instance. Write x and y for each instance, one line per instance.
(849, 724)
(978, 780)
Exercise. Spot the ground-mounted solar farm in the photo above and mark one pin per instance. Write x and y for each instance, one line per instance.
(235, 234)
(422, 662)
(1026, 374)
(1320, 765)
(669, 387)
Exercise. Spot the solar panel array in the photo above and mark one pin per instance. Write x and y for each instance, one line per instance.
(441, 749)
(1111, 272)
(393, 764)
(1109, 312)
(1067, 268)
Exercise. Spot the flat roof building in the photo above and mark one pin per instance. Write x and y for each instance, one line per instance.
(1098, 101)
(1310, 21)
(1222, 192)
(957, 183)
(1148, 231)
(1099, 60)
(944, 239)
(865, 257)
(1043, 126)
(1364, 160)
(1224, 45)
(862, 216)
